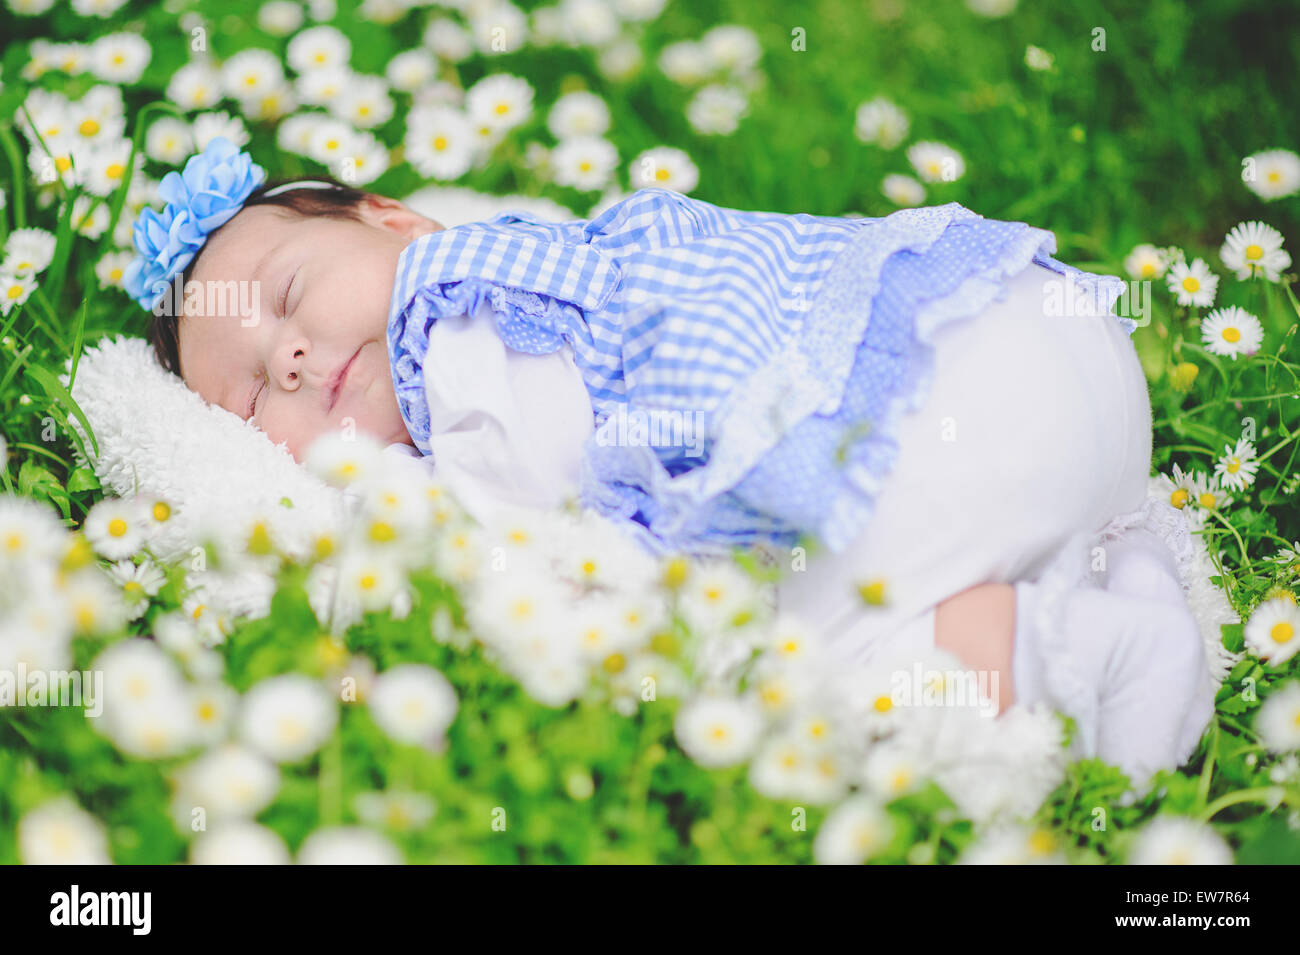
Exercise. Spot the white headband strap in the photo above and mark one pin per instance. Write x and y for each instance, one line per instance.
(300, 184)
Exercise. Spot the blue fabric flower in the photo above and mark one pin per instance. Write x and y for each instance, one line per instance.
(200, 200)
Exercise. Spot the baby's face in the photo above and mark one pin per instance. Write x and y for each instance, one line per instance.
(280, 362)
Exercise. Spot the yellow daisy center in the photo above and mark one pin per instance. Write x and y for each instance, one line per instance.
(1207, 499)
(1231, 334)
(1254, 252)
(440, 143)
(1179, 498)
(88, 127)
(117, 527)
(1234, 465)
(662, 174)
(1282, 632)
(1192, 284)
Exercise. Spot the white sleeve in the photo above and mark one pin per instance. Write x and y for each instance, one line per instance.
(506, 428)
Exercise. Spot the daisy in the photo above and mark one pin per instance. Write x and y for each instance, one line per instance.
(323, 87)
(621, 60)
(935, 162)
(59, 832)
(717, 597)
(408, 71)
(208, 126)
(732, 48)
(1287, 556)
(413, 703)
(403, 811)
(240, 842)
(280, 17)
(991, 8)
(1273, 631)
(370, 578)
(287, 718)
(1254, 249)
(880, 121)
(29, 533)
(1036, 58)
(294, 133)
(1178, 840)
(169, 141)
(778, 767)
(30, 8)
(716, 110)
(138, 582)
(1146, 262)
(111, 268)
(1231, 331)
(119, 57)
(28, 251)
(1278, 721)
(685, 62)
(1179, 486)
(665, 167)
(251, 73)
(580, 113)
(449, 40)
(902, 190)
(87, 220)
(229, 781)
(15, 290)
(331, 141)
(317, 48)
(587, 22)
(339, 459)
(855, 831)
(348, 845)
(639, 11)
(892, 770)
(1236, 469)
(365, 102)
(1207, 493)
(115, 528)
(107, 167)
(718, 731)
(1013, 844)
(439, 142)
(196, 85)
(1192, 284)
(500, 101)
(1272, 174)
(97, 8)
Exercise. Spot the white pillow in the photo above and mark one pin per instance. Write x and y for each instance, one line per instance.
(158, 437)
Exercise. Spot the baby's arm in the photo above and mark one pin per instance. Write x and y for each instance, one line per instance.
(978, 627)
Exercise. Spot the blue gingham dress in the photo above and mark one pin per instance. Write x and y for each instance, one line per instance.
(769, 355)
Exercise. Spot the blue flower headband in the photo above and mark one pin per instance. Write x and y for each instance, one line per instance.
(205, 196)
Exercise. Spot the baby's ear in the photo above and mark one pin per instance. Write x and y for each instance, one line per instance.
(389, 213)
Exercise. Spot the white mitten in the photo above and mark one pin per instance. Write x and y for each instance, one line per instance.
(1134, 670)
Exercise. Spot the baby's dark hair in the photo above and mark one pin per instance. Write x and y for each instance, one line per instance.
(342, 202)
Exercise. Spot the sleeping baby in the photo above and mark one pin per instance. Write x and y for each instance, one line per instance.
(921, 413)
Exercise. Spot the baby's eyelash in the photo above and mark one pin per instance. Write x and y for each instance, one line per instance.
(252, 403)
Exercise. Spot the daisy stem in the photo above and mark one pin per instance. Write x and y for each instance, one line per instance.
(1203, 788)
(1264, 794)
(1240, 543)
(19, 178)
(331, 781)
(1280, 445)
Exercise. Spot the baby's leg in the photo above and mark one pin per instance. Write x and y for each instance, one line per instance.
(978, 627)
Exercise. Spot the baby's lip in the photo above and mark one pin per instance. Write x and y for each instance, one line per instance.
(336, 381)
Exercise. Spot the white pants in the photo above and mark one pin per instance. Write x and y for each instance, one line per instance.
(1037, 427)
